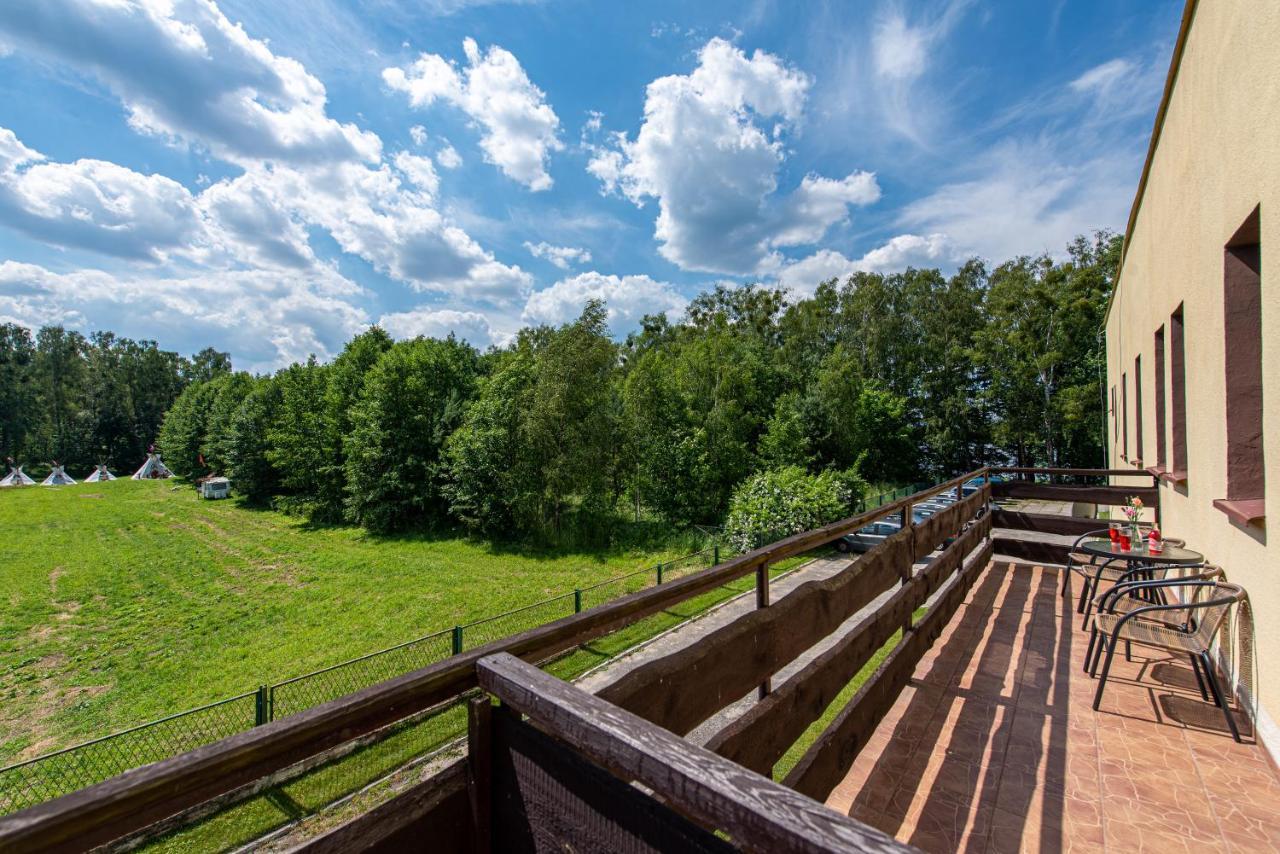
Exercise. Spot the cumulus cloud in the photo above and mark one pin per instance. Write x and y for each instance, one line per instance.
(520, 128)
(906, 250)
(439, 323)
(184, 71)
(419, 171)
(95, 204)
(448, 157)
(627, 299)
(709, 150)
(418, 134)
(561, 256)
(265, 318)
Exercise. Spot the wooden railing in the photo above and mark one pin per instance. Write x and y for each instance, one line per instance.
(1052, 531)
(137, 799)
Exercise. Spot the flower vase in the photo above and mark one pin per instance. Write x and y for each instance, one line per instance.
(1135, 536)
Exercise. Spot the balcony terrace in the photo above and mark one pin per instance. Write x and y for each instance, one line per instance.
(971, 727)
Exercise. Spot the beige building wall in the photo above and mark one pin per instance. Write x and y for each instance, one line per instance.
(1216, 157)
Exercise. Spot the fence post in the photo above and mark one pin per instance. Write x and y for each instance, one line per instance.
(908, 524)
(659, 573)
(577, 600)
(715, 555)
(762, 601)
(457, 640)
(261, 708)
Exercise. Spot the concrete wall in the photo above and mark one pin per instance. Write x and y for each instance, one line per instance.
(1218, 157)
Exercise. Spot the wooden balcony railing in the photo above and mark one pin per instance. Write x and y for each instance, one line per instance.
(573, 745)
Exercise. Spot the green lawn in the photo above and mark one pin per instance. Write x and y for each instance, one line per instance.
(127, 601)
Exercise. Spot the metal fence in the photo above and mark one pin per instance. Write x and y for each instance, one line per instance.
(45, 777)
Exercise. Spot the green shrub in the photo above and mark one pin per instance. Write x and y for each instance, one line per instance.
(780, 502)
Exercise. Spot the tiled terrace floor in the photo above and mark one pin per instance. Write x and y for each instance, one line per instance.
(995, 746)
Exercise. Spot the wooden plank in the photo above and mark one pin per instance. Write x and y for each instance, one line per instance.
(933, 531)
(1112, 495)
(548, 797)
(435, 809)
(133, 800)
(753, 810)
(1033, 551)
(681, 690)
(480, 770)
(1047, 523)
(759, 737)
(826, 762)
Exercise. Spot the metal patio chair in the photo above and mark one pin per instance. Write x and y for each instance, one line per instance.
(1185, 627)
(1128, 594)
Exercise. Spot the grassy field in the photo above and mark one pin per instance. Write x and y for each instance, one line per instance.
(127, 601)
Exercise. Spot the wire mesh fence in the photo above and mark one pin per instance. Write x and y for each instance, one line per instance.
(330, 683)
(45, 777)
(52, 775)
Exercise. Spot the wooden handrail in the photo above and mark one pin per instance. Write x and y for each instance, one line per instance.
(718, 793)
(135, 799)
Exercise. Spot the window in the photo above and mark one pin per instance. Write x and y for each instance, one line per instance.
(1161, 449)
(1124, 417)
(1137, 410)
(1115, 420)
(1177, 398)
(1242, 326)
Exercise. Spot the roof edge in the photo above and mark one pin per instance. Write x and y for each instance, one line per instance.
(1175, 63)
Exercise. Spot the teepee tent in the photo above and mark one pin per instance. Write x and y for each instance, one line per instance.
(16, 477)
(152, 469)
(99, 475)
(58, 477)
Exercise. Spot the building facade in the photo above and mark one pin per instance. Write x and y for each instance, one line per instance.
(1193, 329)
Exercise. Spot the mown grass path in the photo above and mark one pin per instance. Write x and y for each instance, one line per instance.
(126, 601)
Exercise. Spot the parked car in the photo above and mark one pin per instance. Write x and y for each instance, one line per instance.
(865, 539)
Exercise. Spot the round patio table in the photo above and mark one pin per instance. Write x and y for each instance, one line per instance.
(1104, 548)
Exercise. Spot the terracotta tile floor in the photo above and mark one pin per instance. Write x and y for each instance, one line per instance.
(995, 746)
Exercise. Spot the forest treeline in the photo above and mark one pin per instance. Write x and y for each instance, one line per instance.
(879, 378)
(87, 400)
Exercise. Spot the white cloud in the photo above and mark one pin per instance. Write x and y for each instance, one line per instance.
(439, 323)
(419, 171)
(709, 151)
(267, 319)
(448, 157)
(561, 256)
(1102, 78)
(627, 299)
(906, 250)
(520, 128)
(418, 134)
(184, 71)
(900, 50)
(96, 205)
(1030, 196)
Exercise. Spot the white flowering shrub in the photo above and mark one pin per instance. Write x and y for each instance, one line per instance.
(784, 501)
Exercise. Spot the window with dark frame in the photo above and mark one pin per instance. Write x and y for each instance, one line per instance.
(1242, 329)
(1137, 410)
(1177, 397)
(1161, 423)
(1124, 417)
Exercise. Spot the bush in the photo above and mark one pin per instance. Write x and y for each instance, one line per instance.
(778, 503)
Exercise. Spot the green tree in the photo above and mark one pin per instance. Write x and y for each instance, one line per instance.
(248, 448)
(19, 415)
(413, 399)
(298, 433)
(185, 425)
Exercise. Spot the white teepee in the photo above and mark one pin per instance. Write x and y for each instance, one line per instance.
(58, 477)
(152, 469)
(99, 475)
(16, 477)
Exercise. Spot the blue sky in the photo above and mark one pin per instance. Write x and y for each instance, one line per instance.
(271, 177)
